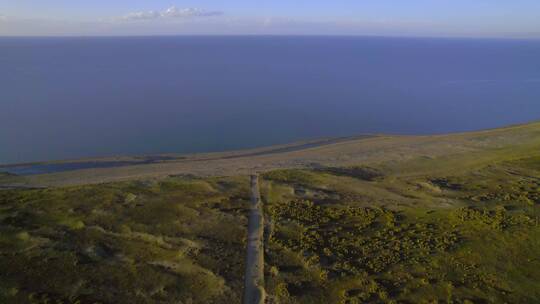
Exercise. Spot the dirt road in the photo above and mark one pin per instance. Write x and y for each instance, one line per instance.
(254, 279)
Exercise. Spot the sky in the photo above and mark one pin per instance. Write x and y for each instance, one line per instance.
(461, 18)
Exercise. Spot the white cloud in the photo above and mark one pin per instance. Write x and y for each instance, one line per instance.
(175, 12)
(142, 15)
(171, 12)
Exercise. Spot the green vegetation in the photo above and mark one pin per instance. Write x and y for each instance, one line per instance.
(174, 241)
(456, 227)
(363, 235)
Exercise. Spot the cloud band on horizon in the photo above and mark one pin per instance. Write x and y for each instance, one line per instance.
(172, 12)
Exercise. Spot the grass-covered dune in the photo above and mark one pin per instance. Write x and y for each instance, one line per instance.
(174, 241)
(353, 236)
(437, 219)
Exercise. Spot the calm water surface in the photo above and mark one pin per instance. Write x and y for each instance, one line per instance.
(83, 97)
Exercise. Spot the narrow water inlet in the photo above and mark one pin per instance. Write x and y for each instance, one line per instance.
(254, 278)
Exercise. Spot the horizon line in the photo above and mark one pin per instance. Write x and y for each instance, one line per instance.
(279, 35)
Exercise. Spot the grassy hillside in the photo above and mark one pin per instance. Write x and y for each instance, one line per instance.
(177, 240)
(466, 233)
(442, 223)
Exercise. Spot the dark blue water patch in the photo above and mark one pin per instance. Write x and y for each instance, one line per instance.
(72, 98)
(43, 168)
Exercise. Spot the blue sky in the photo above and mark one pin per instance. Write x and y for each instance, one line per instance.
(489, 18)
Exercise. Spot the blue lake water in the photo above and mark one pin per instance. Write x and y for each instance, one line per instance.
(83, 97)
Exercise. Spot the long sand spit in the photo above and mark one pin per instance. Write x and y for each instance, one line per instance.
(384, 150)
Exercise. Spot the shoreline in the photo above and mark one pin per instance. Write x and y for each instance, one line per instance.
(350, 151)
